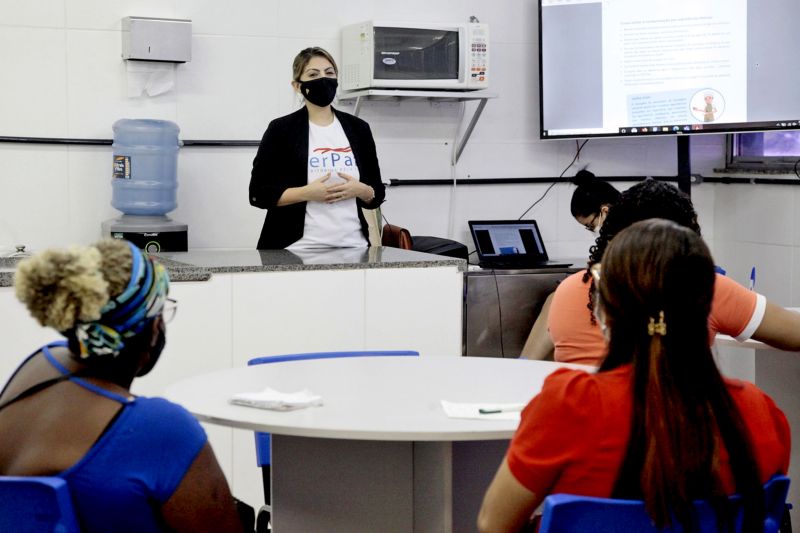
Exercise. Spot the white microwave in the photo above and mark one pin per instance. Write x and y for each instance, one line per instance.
(392, 55)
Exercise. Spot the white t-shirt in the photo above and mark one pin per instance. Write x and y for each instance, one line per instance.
(336, 224)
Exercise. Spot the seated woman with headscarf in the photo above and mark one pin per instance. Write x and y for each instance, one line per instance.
(131, 463)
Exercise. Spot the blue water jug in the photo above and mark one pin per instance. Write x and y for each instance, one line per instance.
(145, 172)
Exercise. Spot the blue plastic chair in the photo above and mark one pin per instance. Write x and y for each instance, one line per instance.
(566, 513)
(33, 504)
(263, 440)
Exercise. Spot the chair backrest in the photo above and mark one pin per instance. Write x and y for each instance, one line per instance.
(263, 444)
(329, 355)
(566, 513)
(396, 237)
(36, 504)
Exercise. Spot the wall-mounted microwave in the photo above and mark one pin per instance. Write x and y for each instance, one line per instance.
(392, 55)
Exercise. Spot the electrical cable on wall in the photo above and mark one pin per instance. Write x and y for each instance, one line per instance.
(578, 148)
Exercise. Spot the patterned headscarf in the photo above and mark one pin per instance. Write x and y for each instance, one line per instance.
(127, 314)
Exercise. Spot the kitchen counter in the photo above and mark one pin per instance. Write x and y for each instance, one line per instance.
(200, 265)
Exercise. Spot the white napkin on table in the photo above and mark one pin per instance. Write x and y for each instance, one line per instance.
(483, 411)
(276, 400)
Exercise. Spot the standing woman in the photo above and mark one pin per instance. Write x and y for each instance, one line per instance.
(315, 168)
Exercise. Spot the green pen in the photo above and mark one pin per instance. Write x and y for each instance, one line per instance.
(509, 409)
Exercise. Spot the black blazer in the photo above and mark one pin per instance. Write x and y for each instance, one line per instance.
(282, 162)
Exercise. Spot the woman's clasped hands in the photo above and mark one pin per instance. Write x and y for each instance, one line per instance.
(344, 188)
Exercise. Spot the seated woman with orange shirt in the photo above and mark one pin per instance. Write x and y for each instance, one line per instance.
(657, 422)
(735, 311)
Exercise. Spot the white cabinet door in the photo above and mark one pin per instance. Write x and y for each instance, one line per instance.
(414, 309)
(291, 312)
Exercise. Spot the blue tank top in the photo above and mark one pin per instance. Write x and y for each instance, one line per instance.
(135, 466)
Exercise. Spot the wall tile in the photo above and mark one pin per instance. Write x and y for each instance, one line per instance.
(212, 198)
(211, 17)
(108, 14)
(422, 11)
(512, 160)
(41, 14)
(774, 267)
(522, 27)
(421, 210)
(410, 160)
(320, 19)
(795, 273)
(795, 217)
(725, 213)
(708, 153)
(215, 92)
(34, 182)
(97, 86)
(514, 114)
(756, 214)
(413, 121)
(703, 198)
(33, 80)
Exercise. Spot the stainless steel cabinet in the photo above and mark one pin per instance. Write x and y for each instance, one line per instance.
(500, 306)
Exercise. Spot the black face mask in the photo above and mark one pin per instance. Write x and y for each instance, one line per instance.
(320, 91)
(155, 351)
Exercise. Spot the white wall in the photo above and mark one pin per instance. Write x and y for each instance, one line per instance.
(62, 76)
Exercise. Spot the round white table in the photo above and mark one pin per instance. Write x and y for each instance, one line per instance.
(379, 454)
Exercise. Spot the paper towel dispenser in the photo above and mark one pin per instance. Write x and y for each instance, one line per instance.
(157, 39)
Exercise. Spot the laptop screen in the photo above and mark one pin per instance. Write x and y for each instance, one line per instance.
(508, 239)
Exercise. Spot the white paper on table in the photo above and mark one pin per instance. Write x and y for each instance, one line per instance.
(508, 411)
(276, 400)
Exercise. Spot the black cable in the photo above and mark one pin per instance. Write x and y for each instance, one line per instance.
(499, 313)
(577, 154)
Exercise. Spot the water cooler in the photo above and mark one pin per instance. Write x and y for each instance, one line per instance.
(145, 183)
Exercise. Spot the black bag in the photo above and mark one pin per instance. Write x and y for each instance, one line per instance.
(440, 246)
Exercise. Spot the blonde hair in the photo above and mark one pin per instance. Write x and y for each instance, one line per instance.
(64, 286)
(301, 60)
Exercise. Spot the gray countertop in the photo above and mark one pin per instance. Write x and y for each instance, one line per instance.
(199, 265)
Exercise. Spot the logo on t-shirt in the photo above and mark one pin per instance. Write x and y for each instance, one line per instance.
(329, 158)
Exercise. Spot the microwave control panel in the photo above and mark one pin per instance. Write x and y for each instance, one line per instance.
(478, 71)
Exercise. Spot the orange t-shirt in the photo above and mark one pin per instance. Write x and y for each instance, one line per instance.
(574, 434)
(735, 311)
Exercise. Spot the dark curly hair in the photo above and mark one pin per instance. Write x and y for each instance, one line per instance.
(647, 199)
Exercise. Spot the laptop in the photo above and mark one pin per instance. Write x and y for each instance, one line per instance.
(510, 244)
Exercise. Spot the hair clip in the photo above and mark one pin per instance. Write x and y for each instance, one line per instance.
(657, 329)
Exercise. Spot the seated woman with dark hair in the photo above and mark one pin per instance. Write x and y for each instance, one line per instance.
(657, 422)
(591, 200)
(735, 311)
(131, 463)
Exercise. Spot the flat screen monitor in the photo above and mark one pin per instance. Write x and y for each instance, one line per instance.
(667, 67)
